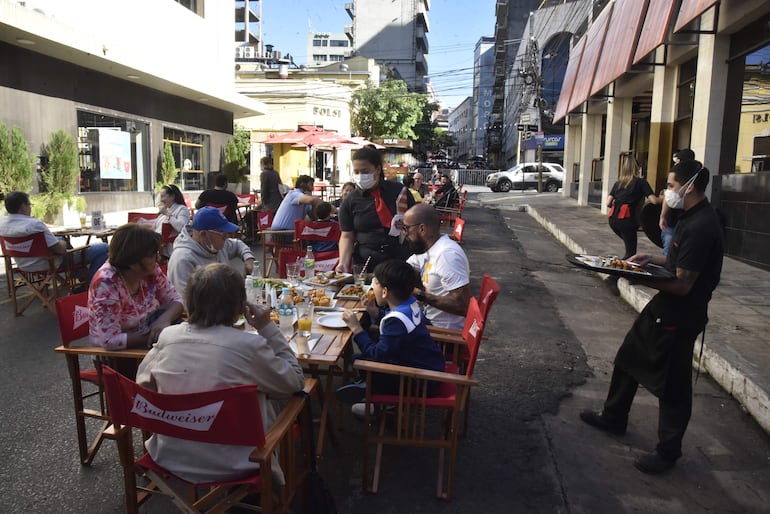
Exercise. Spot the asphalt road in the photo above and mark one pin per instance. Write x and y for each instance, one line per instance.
(552, 337)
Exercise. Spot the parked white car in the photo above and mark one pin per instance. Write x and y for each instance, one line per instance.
(525, 176)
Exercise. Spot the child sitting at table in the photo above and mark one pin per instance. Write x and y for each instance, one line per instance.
(404, 337)
(324, 212)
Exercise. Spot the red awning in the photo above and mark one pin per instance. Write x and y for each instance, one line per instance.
(575, 56)
(593, 48)
(690, 10)
(655, 27)
(619, 43)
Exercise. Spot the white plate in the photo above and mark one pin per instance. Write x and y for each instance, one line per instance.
(339, 277)
(329, 307)
(311, 344)
(332, 321)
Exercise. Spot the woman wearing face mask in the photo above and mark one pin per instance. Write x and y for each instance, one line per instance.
(367, 214)
(625, 197)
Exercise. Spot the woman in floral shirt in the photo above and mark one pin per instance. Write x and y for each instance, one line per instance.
(130, 300)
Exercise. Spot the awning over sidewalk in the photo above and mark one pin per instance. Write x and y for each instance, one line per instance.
(690, 10)
(625, 28)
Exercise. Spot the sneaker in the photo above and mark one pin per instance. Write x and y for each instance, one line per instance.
(352, 393)
(653, 464)
(359, 410)
(600, 421)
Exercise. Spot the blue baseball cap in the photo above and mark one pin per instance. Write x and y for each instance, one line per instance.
(209, 218)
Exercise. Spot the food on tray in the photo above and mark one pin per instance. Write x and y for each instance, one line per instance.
(621, 264)
(321, 278)
(320, 297)
(353, 290)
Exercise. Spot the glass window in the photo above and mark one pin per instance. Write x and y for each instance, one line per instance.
(317, 42)
(191, 155)
(336, 58)
(113, 153)
(753, 152)
(339, 43)
(319, 58)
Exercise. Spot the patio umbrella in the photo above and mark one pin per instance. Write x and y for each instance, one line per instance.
(308, 137)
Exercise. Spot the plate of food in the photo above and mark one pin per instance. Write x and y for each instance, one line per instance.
(332, 321)
(353, 292)
(328, 278)
(615, 266)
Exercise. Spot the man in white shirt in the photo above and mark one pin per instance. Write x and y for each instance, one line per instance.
(19, 222)
(442, 265)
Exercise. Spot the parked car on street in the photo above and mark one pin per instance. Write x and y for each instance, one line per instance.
(525, 176)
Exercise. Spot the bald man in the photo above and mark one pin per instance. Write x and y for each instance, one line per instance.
(442, 265)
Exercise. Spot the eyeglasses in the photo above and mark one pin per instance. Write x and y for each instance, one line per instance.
(217, 232)
(405, 228)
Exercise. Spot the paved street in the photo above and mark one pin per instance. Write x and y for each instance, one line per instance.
(552, 336)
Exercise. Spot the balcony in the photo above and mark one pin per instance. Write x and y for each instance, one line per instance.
(422, 19)
(421, 64)
(350, 9)
(349, 33)
(241, 35)
(242, 12)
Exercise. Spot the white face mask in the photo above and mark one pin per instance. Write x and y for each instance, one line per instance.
(674, 199)
(365, 180)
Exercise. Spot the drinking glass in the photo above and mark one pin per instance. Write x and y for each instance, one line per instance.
(292, 273)
(358, 274)
(305, 321)
(82, 220)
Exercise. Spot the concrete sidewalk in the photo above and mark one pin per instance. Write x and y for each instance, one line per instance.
(736, 352)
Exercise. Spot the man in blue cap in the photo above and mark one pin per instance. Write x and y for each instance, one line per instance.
(208, 241)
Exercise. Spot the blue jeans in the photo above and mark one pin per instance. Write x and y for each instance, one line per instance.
(667, 236)
(96, 255)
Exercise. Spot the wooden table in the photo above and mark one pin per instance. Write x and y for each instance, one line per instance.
(68, 233)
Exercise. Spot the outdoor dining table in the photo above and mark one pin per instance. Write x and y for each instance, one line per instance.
(67, 233)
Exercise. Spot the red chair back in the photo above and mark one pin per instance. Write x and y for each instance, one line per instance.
(33, 245)
(265, 219)
(223, 208)
(245, 198)
(167, 233)
(488, 294)
(72, 317)
(316, 231)
(187, 201)
(142, 218)
(457, 233)
(224, 416)
(472, 332)
(324, 261)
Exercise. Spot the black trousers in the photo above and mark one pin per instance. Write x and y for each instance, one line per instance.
(627, 230)
(674, 409)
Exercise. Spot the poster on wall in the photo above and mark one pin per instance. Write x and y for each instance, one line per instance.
(115, 154)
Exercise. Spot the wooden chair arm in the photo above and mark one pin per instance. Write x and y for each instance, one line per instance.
(448, 335)
(423, 374)
(97, 351)
(284, 423)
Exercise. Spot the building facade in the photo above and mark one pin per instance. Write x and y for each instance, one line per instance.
(694, 75)
(395, 35)
(325, 48)
(461, 127)
(123, 97)
(483, 83)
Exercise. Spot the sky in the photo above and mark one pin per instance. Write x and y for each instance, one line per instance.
(455, 28)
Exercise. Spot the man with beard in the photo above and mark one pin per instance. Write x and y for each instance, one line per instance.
(442, 265)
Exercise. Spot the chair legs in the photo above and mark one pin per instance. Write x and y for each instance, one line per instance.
(87, 452)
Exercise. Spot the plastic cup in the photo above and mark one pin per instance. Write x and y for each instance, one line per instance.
(305, 320)
(358, 274)
(292, 272)
(82, 220)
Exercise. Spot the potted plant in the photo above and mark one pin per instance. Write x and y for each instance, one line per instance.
(15, 161)
(59, 181)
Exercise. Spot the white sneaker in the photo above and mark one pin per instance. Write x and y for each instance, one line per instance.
(359, 410)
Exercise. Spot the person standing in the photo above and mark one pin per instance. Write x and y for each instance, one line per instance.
(443, 267)
(367, 214)
(221, 198)
(668, 216)
(626, 196)
(657, 351)
(269, 181)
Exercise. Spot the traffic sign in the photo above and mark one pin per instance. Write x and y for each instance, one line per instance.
(532, 128)
(520, 127)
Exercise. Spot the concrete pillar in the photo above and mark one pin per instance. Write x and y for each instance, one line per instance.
(572, 140)
(618, 138)
(589, 149)
(662, 116)
(710, 92)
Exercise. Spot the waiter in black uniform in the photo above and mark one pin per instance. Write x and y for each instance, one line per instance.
(657, 351)
(366, 215)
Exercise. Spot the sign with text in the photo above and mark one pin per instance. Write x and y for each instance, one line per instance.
(114, 154)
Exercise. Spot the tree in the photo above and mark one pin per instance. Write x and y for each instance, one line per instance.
(168, 170)
(387, 111)
(442, 140)
(15, 162)
(235, 155)
(60, 176)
